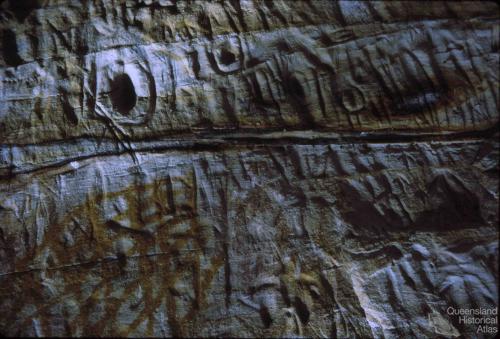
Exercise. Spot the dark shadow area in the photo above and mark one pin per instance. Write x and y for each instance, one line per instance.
(23, 8)
(122, 93)
(9, 49)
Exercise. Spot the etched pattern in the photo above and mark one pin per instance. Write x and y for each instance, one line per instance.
(247, 168)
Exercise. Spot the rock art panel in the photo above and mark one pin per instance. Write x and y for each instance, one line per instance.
(248, 168)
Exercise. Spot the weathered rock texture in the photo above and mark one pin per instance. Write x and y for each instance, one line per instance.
(247, 168)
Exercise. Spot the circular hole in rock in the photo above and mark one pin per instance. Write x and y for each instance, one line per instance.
(122, 93)
(226, 57)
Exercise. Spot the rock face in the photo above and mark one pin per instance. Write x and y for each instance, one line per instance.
(248, 168)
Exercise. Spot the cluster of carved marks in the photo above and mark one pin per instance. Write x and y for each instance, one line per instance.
(261, 241)
(149, 259)
(247, 168)
(229, 66)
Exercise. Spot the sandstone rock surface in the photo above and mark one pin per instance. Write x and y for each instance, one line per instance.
(247, 168)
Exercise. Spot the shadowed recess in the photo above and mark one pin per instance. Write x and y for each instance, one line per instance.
(23, 8)
(122, 93)
(10, 52)
(226, 57)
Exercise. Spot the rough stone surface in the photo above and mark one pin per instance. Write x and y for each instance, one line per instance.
(247, 168)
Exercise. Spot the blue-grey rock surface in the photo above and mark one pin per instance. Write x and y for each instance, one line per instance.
(248, 168)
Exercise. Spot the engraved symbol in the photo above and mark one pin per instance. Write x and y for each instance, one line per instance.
(353, 99)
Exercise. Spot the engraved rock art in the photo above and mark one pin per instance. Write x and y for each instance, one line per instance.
(248, 168)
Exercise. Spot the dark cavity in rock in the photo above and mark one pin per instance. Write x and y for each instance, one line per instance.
(123, 96)
(10, 52)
